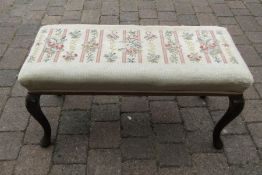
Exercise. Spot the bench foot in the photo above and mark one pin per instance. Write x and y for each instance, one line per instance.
(33, 107)
(236, 104)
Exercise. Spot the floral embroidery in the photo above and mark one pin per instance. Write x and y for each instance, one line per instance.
(166, 46)
(152, 57)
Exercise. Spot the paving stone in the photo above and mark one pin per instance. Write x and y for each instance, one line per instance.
(188, 20)
(34, 131)
(71, 149)
(217, 103)
(39, 5)
(240, 149)
(256, 132)
(248, 23)
(251, 94)
(169, 133)
(177, 171)
(105, 135)
(14, 116)
(13, 58)
(21, 41)
(33, 160)
(184, 8)
(128, 6)
(7, 167)
(7, 77)
(110, 8)
(164, 112)
(129, 16)
(256, 72)
(104, 161)
(240, 12)
(33, 17)
(237, 126)
(236, 4)
(252, 110)
(134, 104)
(51, 100)
(255, 37)
(250, 55)
(227, 20)
(139, 167)
(136, 125)
(199, 3)
(240, 39)
(258, 48)
(259, 20)
(207, 19)
(57, 3)
(90, 16)
(146, 4)
(3, 48)
(4, 94)
(6, 34)
(196, 119)
(72, 15)
(173, 155)
(74, 122)
(77, 102)
(107, 112)
(251, 169)
(103, 99)
(202, 9)
(149, 22)
(137, 148)
(27, 29)
(89, 5)
(159, 98)
(109, 20)
(147, 13)
(76, 169)
(55, 11)
(51, 20)
(190, 101)
(164, 5)
(221, 10)
(259, 89)
(255, 8)
(74, 5)
(234, 29)
(167, 16)
(10, 145)
(211, 163)
(200, 142)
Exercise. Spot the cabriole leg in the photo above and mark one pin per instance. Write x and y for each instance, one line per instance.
(236, 104)
(33, 107)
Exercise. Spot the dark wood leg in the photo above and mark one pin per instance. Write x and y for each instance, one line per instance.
(33, 107)
(236, 104)
(203, 97)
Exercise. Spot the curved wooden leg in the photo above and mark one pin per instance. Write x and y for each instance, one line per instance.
(33, 107)
(236, 104)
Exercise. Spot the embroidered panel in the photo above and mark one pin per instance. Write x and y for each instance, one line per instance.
(164, 46)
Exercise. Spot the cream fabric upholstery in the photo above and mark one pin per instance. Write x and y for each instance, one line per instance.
(121, 58)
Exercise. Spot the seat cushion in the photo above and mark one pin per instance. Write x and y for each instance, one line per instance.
(129, 58)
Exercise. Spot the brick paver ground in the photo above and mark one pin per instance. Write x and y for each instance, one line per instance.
(100, 135)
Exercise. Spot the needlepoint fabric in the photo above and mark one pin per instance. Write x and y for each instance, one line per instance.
(130, 58)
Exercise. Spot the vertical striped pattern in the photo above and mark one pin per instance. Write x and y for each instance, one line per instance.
(206, 54)
(43, 51)
(99, 46)
(221, 52)
(124, 50)
(163, 46)
(182, 60)
(84, 44)
(59, 51)
(140, 51)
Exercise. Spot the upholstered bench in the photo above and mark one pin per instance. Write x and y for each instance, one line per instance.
(135, 60)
